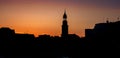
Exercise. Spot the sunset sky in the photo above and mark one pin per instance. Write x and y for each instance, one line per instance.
(45, 16)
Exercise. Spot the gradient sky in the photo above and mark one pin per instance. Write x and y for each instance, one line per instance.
(45, 16)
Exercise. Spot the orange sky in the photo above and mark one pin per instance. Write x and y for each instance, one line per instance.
(45, 16)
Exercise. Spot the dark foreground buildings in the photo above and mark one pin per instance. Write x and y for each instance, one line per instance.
(102, 36)
(44, 45)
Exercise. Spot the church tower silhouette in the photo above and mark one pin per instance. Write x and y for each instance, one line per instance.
(64, 26)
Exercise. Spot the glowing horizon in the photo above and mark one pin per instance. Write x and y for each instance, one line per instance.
(45, 16)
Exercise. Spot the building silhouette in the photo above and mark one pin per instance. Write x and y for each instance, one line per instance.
(6, 33)
(64, 26)
(104, 34)
(24, 36)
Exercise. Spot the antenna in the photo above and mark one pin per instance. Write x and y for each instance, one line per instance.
(64, 10)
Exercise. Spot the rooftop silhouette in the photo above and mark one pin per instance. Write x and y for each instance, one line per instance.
(103, 35)
(20, 44)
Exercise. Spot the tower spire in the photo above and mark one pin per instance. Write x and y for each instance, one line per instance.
(64, 26)
(65, 15)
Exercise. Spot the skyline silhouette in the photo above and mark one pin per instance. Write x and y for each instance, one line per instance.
(64, 28)
(45, 16)
(102, 36)
(59, 28)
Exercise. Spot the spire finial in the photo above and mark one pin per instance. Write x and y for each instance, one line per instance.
(65, 11)
(65, 15)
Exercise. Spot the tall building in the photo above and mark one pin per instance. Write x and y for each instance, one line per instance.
(64, 26)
